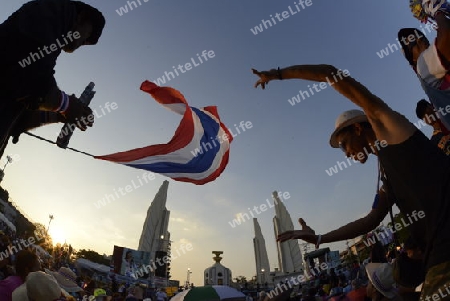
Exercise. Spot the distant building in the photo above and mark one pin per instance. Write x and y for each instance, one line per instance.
(261, 258)
(217, 274)
(155, 237)
(289, 255)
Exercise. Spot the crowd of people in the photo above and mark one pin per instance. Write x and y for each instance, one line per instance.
(28, 277)
(373, 279)
(26, 270)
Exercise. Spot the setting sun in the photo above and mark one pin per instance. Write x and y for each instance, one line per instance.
(57, 235)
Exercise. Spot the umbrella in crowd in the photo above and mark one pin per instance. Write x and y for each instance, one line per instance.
(210, 293)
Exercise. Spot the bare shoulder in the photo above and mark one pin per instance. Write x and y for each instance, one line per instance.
(390, 125)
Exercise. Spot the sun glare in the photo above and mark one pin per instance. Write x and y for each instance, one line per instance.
(57, 235)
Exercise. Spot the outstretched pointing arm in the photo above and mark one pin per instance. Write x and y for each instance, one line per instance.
(349, 231)
(388, 124)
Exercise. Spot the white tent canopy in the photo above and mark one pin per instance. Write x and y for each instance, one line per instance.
(87, 264)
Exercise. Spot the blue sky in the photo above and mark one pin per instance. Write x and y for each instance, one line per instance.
(286, 149)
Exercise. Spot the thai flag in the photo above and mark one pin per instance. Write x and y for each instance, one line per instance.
(197, 153)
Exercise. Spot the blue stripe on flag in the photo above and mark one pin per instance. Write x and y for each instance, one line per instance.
(198, 164)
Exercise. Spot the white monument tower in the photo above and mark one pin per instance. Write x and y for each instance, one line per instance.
(262, 260)
(155, 237)
(289, 255)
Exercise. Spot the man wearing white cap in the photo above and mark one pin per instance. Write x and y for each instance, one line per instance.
(39, 286)
(67, 280)
(416, 172)
(382, 284)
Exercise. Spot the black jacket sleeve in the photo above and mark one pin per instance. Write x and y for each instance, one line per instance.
(27, 59)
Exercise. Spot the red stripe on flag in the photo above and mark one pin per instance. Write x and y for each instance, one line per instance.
(163, 95)
(182, 137)
(213, 110)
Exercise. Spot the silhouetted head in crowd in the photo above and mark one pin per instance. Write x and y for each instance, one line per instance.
(26, 262)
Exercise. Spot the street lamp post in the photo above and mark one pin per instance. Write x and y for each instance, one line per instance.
(166, 249)
(162, 249)
(2, 171)
(151, 275)
(262, 277)
(51, 218)
(8, 160)
(188, 278)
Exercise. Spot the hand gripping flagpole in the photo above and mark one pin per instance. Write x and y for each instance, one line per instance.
(67, 131)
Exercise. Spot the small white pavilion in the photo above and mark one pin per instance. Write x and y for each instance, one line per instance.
(217, 274)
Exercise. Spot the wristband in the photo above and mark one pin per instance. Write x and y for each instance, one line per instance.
(318, 241)
(64, 105)
(279, 74)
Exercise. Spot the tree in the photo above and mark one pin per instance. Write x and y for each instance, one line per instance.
(240, 279)
(4, 194)
(92, 256)
(45, 240)
(23, 226)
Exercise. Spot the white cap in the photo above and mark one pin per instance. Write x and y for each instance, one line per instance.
(344, 120)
